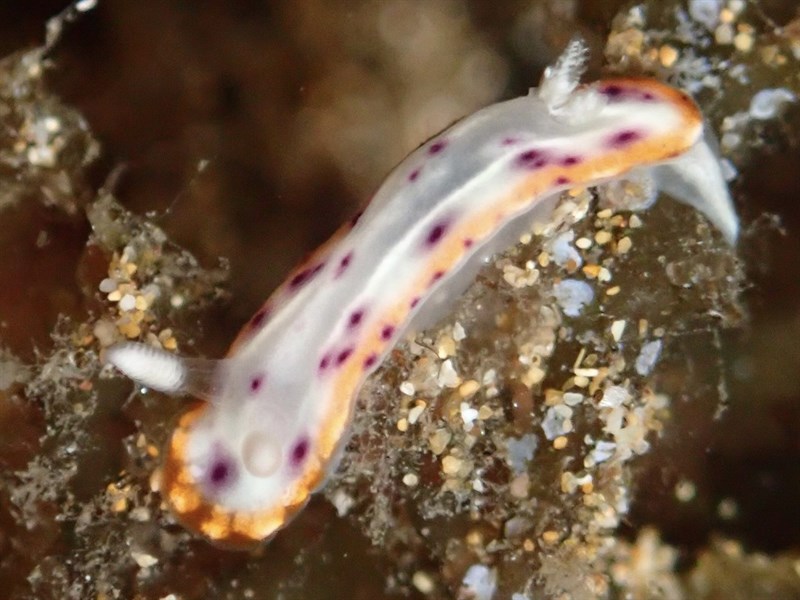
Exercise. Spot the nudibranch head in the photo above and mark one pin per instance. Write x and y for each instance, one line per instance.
(664, 138)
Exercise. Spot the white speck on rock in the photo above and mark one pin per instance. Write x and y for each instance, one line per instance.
(448, 376)
(468, 415)
(572, 398)
(648, 357)
(108, 285)
(479, 583)
(562, 251)
(614, 396)
(407, 388)
(767, 104)
(617, 329)
(105, 332)
(85, 5)
(415, 413)
(143, 559)
(128, 302)
(706, 12)
(521, 451)
(342, 502)
(602, 451)
(554, 423)
(423, 582)
(572, 295)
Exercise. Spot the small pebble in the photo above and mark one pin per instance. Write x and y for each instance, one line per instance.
(624, 245)
(411, 479)
(685, 490)
(438, 441)
(415, 413)
(451, 464)
(550, 537)
(423, 582)
(602, 237)
(617, 329)
(407, 388)
(448, 377)
(468, 415)
(468, 388)
(519, 486)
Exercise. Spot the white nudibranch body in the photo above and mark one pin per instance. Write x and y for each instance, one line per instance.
(239, 466)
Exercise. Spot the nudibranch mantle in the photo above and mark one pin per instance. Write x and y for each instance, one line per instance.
(277, 409)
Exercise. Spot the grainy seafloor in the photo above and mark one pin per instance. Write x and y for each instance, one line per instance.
(163, 165)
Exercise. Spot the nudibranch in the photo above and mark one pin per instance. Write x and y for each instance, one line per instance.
(276, 410)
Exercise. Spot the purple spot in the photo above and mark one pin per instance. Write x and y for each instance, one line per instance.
(325, 362)
(300, 278)
(219, 472)
(299, 452)
(387, 332)
(568, 161)
(414, 174)
(256, 382)
(532, 159)
(509, 141)
(355, 318)
(615, 93)
(370, 361)
(437, 147)
(618, 93)
(468, 243)
(562, 180)
(305, 275)
(258, 319)
(530, 155)
(414, 302)
(344, 263)
(222, 472)
(612, 91)
(343, 356)
(436, 233)
(623, 138)
(437, 276)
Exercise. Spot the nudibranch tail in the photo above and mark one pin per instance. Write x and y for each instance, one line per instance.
(166, 372)
(695, 178)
